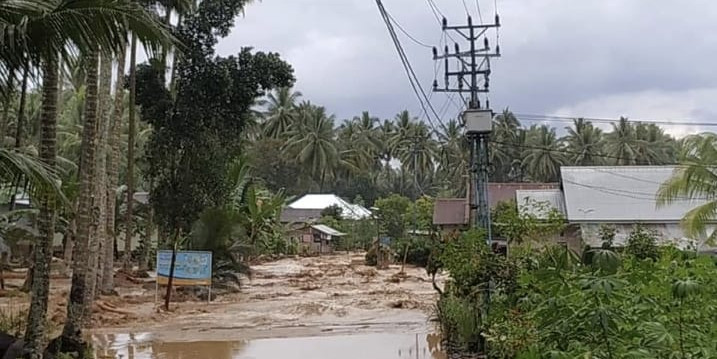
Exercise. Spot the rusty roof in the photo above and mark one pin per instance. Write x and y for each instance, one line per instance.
(501, 192)
(450, 211)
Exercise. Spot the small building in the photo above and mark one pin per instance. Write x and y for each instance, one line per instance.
(319, 202)
(315, 239)
(623, 196)
(451, 214)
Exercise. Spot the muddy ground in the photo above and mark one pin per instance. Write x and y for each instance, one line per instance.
(291, 297)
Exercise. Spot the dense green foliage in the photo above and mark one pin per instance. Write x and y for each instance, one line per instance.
(196, 132)
(648, 302)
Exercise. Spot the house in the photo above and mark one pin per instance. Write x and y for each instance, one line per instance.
(315, 239)
(319, 202)
(540, 203)
(616, 196)
(451, 214)
(622, 197)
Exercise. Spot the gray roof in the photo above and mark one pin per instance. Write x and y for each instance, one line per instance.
(298, 215)
(620, 194)
(539, 202)
(327, 230)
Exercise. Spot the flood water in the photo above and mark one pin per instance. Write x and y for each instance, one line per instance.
(359, 346)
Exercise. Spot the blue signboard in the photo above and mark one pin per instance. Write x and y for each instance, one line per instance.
(190, 267)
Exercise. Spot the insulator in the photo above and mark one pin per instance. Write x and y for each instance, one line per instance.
(458, 48)
(470, 21)
(435, 52)
(497, 49)
(445, 22)
(485, 42)
(445, 50)
(435, 84)
(497, 19)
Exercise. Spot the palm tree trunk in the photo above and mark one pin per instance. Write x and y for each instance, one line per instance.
(101, 184)
(20, 127)
(113, 175)
(35, 334)
(147, 238)
(129, 224)
(78, 306)
(6, 105)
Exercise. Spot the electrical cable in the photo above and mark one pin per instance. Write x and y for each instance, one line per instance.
(480, 15)
(555, 118)
(436, 12)
(413, 78)
(419, 42)
(465, 6)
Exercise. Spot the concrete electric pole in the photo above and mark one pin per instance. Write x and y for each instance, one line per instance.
(471, 75)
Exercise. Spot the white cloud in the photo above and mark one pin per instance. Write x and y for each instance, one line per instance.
(697, 105)
(556, 53)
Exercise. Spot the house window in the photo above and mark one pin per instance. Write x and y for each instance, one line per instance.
(317, 238)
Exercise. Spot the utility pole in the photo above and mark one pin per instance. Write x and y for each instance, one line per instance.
(473, 66)
(472, 77)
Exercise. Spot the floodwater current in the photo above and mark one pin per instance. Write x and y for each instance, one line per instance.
(358, 346)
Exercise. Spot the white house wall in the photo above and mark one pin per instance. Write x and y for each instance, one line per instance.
(667, 234)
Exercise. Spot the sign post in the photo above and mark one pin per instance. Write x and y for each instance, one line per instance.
(191, 268)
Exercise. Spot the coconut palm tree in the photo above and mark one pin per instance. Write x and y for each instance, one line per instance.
(454, 163)
(584, 143)
(281, 112)
(506, 150)
(417, 152)
(113, 163)
(42, 33)
(695, 179)
(621, 145)
(543, 154)
(654, 146)
(311, 142)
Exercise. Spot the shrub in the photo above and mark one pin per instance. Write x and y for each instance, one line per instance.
(642, 243)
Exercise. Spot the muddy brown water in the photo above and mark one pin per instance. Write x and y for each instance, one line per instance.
(358, 346)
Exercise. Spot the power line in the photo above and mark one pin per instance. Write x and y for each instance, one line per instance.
(561, 150)
(480, 15)
(439, 16)
(465, 6)
(567, 119)
(419, 42)
(413, 79)
(614, 191)
(634, 194)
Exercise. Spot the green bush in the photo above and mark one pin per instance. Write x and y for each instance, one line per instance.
(547, 304)
(642, 244)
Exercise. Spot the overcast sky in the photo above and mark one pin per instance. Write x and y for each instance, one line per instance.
(647, 59)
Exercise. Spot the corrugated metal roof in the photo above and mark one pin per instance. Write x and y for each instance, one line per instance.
(327, 230)
(298, 215)
(620, 194)
(540, 202)
(322, 201)
(450, 211)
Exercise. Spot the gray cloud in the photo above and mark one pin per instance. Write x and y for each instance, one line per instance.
(559, 56)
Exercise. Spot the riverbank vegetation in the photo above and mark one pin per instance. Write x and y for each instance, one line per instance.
(199, 151)
(641, 302)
